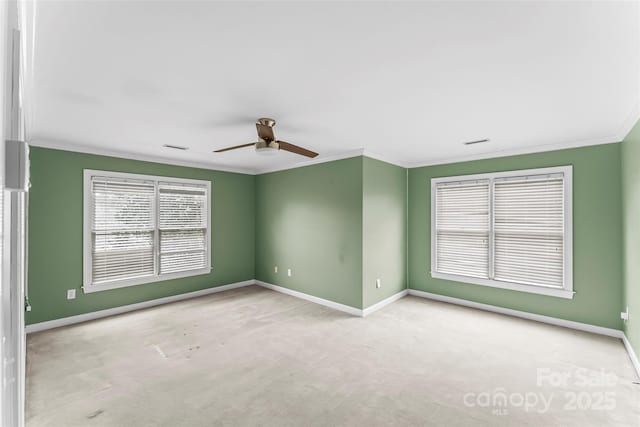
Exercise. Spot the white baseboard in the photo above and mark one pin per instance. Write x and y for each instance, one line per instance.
(65, 321)
(334, 305)
(632, 354)
(377, 306)
(42, 326)
(522, 314)
(615, 333)
(36, 327)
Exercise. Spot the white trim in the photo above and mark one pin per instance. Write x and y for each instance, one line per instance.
(78, 148)
(332, 158)
(522, 314)
(619, 136)
(71, 320)
(568, 230)
(629, 122)
(318, 160)
(568, 169)
(384, 158)
(146, 280)
(532, 289)
(334, 305)
(83, 149)
(632, 355)
(613, 139)
(491, 177)
(65, 321)
(614, 333)
(143, 177)
(87, 285)
(385, 302)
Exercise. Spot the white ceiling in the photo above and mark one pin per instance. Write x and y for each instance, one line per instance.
(407, 82)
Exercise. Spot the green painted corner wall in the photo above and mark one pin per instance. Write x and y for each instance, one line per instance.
(340, 225)
(55, 233)
(309, 220)
(384, 235)
(597, 235)
(631, 229)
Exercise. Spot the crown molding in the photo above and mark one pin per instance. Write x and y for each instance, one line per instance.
(518, 151)
(619, 136)
(78, 148)
(318, 160)
(629, 122)
(384, 158)
(331, 158)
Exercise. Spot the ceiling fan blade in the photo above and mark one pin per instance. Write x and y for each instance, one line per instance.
(234, 147)
(295, 149)
(265, 132)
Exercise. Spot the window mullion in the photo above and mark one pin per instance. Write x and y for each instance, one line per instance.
(434, 229)
(492, 239)
(89, 231)
(156, 233)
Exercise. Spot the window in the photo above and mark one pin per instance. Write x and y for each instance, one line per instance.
(141, 229)
(508, 230)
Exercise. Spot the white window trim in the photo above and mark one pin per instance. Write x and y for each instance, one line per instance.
(87, 286)
(567, 290)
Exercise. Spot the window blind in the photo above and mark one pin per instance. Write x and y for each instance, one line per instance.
(462, 228)
(141, 229)
(122, 229)
(510, 230)
(529, 230)
(183, 227)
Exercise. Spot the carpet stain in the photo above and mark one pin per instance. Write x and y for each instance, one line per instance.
(95, 414)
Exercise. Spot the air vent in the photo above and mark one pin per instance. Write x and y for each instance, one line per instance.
(176, 147)
(478, 141)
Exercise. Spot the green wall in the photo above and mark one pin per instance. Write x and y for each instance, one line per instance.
(597, 235)
(340, 225)
(631, 228)
(384, 236)
(55, 233)
(309, 220)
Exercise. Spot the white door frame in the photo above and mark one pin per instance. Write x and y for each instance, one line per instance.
(12, 226)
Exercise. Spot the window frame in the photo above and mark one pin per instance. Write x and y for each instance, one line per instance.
(567, 290)
(87, 265)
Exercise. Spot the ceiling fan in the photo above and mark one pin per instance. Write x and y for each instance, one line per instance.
(267, 143)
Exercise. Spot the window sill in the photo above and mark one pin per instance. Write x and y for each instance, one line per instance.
(89, 288)
(541, 290)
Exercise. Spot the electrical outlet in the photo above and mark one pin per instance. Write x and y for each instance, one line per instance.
(625, 314)
(71, 294)
(289, 272)
(275, 268)
(378, 283)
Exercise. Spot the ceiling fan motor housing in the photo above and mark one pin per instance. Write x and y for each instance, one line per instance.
(264, 147)
(267, 143)
(265, 121)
